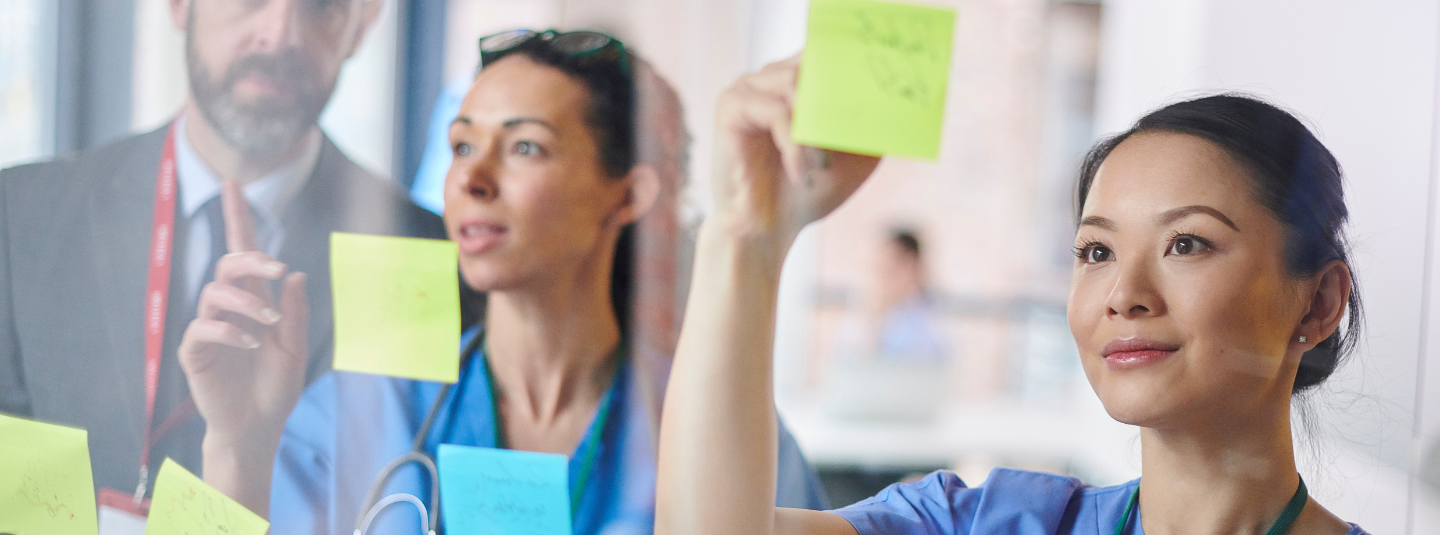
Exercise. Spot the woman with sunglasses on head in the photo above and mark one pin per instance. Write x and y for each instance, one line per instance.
(542, 197)
(1210, 281)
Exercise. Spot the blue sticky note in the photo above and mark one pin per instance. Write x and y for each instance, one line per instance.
(504, 492)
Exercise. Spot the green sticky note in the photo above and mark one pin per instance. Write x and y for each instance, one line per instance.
(45, 482)
(185, 505)
(873, 78)
(397, 306)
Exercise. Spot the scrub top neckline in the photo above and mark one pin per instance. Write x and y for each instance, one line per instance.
(587, 450)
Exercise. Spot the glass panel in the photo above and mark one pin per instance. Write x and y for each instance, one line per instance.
(923, 326)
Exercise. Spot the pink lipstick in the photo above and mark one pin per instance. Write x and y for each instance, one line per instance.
(1128, 352)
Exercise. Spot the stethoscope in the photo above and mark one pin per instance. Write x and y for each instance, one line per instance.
(371, 507)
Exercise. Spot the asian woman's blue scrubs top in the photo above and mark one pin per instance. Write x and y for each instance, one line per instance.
(1013, 502)
(348, 426)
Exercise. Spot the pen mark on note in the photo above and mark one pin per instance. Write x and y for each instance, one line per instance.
(900, 52)
(197, 513)
(38, 488)
(402, 300)
(487, 491)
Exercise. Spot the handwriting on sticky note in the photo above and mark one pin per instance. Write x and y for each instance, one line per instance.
(900, 53)
(495, 491)
(185, 505)
(873, 77)
(397, 306)
(45, 480)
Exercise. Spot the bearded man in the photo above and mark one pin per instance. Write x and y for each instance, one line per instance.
(93, 246)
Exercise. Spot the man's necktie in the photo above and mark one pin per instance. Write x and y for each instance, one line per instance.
(214, 212)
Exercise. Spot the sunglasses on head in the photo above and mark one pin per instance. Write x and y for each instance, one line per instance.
(582, 44)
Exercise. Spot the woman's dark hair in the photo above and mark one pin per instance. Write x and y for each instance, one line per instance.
(611, 116)
(1294, 177)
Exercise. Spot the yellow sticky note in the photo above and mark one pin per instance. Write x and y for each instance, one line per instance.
(397, 306)
(185, 505)
(45, 481)
(873, 78)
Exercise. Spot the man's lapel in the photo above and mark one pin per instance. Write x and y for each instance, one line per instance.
(308, 221)
(121, 215)
(120, 210)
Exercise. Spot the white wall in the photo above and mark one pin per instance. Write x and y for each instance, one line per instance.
(27, 59)
(361, 116)
(1363, 75)
(159, 82)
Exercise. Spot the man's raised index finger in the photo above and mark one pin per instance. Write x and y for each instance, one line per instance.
(239, 221)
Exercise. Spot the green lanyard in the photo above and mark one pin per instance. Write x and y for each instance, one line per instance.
(1281, 525)
(595, 432)
(587, 459)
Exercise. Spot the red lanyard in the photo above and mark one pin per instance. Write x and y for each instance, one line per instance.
(157, 294)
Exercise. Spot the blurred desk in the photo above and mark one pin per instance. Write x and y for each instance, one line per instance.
(1075, 437)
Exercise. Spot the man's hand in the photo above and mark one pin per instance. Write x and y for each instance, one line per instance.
(245, 358)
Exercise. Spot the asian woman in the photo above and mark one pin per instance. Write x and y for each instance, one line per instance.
(1211, 280)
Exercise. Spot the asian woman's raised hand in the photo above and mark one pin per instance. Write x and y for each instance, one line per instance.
(244, 357)
(718, 436)
(766, 186)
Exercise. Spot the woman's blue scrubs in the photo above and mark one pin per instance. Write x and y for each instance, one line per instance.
(348, 426)
(1013, 502)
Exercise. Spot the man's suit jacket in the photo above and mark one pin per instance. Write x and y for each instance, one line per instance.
(74, 236)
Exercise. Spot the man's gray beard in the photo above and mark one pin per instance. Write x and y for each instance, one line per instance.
(252, 129)
(270, 125)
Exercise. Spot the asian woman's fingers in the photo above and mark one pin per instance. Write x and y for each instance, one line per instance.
(772, 109)
(779, 79)
(750, 186)
(757, 112)
(758, 118)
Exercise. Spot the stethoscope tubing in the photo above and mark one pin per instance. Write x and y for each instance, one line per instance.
(417, 454)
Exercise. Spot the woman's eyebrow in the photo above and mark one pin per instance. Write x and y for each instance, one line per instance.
(1173, 215)
(509, 123)
(512, 123)
(1097, 221)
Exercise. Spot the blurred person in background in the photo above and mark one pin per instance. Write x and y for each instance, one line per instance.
(1210, 282)
(890, 355)
(902, 312)
(544, 193)
(84, 241)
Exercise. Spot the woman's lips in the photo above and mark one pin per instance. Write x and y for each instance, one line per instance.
(1136, 351)
(475, 236)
